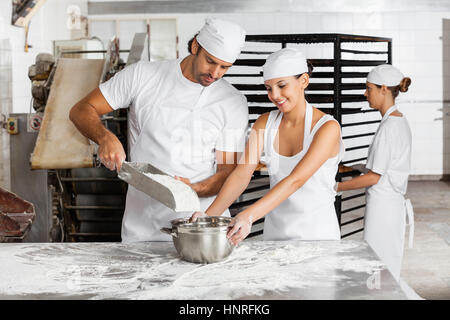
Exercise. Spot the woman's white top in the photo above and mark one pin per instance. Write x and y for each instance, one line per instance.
(309, 213)
(390, 156)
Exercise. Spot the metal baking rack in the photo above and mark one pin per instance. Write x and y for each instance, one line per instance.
(341, 63)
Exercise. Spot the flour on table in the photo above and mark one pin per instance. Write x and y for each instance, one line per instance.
(140, 271)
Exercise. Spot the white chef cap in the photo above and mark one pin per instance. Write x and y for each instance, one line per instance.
(385, 74)
(283, 63)
(223, 39)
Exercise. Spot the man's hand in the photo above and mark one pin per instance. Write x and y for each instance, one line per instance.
(241, 226)
(185, 180)
(194, 186)
(111, 152)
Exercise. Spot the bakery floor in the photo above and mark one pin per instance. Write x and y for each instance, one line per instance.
(426, 266)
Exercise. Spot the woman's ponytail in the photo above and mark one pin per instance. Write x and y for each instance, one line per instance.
(404, 84)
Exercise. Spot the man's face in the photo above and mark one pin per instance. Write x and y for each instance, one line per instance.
(206, 68)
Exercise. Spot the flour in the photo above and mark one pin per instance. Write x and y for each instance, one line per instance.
(251, 272)
(146, 271)
(185, 198)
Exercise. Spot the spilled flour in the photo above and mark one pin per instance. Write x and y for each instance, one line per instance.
(185, 198)
(153, 270)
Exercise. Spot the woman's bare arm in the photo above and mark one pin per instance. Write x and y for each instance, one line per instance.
(239, 179)
(324, 146)
(363, 181)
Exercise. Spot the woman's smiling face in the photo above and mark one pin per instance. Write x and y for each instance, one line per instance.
(286, 92)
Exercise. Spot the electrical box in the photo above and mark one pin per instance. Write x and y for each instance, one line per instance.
(12, 126)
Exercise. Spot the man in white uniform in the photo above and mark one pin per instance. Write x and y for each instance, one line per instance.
(184, 119)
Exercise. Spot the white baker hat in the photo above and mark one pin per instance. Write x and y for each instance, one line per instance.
(283, 63)
(223, 39)
(385, 74)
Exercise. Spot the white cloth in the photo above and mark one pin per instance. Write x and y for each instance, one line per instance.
(176, 125)
(384, 229)
(283, 63)
(223, 39)
(386, 208)
(385, 74)
(309, 213)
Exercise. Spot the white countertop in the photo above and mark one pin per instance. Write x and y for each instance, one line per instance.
(152, 270)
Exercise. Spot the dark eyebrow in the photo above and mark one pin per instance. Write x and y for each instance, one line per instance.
(212, 61)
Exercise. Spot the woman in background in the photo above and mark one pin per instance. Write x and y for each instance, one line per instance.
(387, 169)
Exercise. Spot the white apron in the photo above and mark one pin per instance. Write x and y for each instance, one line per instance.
(309, 213)
(385, 222)
(144, 216)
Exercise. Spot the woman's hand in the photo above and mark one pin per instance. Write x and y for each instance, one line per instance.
(360, 167)
(241, 226)
(196, 215)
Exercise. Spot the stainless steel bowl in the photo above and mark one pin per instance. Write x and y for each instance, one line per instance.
(204, 241)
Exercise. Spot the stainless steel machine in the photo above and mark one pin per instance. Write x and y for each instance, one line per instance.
(74, 200)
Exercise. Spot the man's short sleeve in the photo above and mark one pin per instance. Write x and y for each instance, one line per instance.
(120, 90)
(232, 137)
(380, 154)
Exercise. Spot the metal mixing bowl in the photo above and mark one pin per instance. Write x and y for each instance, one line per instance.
(204, 241)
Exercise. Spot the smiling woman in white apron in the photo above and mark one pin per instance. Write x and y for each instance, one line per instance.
(302, 149)
(386, 171)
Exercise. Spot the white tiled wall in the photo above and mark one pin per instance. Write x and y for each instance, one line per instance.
(417, 51)
(49, 23)
(163, 34)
